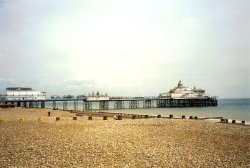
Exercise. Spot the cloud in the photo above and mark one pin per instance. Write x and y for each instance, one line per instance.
(6, 82)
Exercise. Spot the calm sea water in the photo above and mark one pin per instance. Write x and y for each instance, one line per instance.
(237, 109)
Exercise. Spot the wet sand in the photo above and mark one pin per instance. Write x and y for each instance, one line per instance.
(29, 138)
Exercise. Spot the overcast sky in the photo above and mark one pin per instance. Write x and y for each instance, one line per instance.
(130, 47)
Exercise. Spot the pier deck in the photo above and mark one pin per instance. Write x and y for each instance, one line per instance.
(122, 103)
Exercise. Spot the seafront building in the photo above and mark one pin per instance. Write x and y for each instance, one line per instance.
(22, 93)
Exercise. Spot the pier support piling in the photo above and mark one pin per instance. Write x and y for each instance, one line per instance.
(65, 103)
(161, 103)
(104, 105)
(147, 104)
(88, 106)
(54, 105)
(119, 104)
(18, 104)
(25, 104)
(43, 104)
(36, 104)
(75, 105)
(133, 104)
(30, 104)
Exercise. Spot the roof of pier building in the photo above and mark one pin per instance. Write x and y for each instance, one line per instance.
(18, 89)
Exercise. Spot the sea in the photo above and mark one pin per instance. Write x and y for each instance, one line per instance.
(232, 109)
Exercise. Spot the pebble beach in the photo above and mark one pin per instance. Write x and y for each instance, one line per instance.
(31, 138)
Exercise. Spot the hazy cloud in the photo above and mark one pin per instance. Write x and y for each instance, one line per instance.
(126, 47)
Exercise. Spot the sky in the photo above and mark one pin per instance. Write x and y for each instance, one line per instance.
(126, 47)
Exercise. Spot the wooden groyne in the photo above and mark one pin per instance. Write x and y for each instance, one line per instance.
(119, 116)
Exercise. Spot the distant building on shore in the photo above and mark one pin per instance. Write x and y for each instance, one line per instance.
(21, 93)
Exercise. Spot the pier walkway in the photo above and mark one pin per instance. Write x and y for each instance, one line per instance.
(117, 103)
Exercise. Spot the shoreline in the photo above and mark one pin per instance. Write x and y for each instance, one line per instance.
(99, 113)
(111, 113)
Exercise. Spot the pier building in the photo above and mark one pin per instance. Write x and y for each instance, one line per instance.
(22, 93)
(183, 92)
(97, 96)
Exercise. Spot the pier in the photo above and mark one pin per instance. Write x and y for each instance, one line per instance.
(179, 96)
(114, 103)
